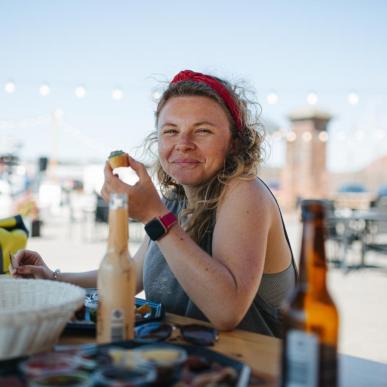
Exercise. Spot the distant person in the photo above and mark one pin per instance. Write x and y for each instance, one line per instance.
(228, 259)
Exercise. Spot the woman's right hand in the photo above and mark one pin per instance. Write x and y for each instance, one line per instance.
(29, 264)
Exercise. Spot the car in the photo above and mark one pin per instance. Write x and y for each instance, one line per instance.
(382, 191)
(352, 187)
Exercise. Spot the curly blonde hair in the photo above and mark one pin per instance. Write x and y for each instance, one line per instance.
(242, 161)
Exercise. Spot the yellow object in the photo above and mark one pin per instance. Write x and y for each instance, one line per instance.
(13, 237)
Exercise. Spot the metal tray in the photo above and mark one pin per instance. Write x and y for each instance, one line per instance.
(10, 369)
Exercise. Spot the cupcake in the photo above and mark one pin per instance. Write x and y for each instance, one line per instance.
(118, 159)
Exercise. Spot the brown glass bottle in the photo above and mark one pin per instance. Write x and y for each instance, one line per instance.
(310, 317)
(116, 279)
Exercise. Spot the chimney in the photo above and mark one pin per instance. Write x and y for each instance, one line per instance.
(305, 172)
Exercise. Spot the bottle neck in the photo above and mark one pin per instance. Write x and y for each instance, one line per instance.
(118, 230)
(313, 266)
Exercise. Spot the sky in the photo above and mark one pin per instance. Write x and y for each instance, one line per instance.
(291, 48)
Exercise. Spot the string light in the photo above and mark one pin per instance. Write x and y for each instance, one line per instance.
(291, 136)
(272, 98)
(117, 94)
(156, 95)
(323, 136)
(10, 87)
(353, 98)
(80, 91)
(44, 90)
(312, 98)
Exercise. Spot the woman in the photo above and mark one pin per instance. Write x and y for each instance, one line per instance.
(228, 259)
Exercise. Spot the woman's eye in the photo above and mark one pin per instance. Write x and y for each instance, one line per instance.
(203, 130)
(169, 131)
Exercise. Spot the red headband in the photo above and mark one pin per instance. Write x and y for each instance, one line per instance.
(215, 85)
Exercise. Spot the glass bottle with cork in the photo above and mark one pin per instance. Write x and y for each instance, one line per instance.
(311, 321)
(116, 280)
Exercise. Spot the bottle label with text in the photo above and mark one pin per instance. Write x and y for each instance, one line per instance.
(303, 359)
(117, 325)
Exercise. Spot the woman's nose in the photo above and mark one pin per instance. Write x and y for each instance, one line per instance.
(184, 142)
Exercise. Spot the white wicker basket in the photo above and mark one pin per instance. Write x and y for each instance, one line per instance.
(33, 314)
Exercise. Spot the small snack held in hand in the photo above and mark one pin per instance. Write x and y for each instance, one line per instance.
(118, 159)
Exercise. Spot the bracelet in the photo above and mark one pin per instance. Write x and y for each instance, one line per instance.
(55, 274)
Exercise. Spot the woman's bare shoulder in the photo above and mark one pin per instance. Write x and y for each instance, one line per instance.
(253, 190)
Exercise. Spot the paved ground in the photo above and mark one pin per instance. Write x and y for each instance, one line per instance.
(359, 294)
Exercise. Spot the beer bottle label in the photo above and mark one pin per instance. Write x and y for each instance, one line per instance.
(302, 354)
(117, 326)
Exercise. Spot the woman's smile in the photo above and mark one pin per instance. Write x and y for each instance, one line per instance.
(186, 162)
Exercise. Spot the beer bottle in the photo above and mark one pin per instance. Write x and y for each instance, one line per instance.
(116, 279)
(310, 317)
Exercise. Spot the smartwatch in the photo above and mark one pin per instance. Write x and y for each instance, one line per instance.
(158, 227)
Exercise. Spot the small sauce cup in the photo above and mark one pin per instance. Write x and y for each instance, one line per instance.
(64, 379)
(124, 376)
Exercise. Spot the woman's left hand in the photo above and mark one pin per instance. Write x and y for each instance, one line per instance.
(144, 202)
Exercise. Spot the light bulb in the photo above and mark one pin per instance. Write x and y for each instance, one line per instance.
(312, 98)
(44, 90)
(156, 95)
(353, 98)
(80, 91)
(272, 98)
(323, 136)
(117, 94)
(10, 87)
(291, 136)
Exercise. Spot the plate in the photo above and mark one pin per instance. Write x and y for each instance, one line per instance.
(84, 323)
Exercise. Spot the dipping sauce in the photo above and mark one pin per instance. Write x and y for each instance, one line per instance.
(50, 363)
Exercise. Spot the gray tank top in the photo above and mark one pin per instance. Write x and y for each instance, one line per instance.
(263, 316)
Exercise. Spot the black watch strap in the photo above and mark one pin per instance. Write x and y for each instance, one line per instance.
(158, 227)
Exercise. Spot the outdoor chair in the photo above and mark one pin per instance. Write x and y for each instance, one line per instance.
(376, 238)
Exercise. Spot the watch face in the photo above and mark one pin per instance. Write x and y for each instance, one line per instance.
(154, 229)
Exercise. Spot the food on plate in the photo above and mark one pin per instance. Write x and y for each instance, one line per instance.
(162, 356)
(88, 312)
(199, 371)
(143, 310)
(166, 359)
(118, 159)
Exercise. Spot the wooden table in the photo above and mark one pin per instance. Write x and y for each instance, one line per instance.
(262, 354)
